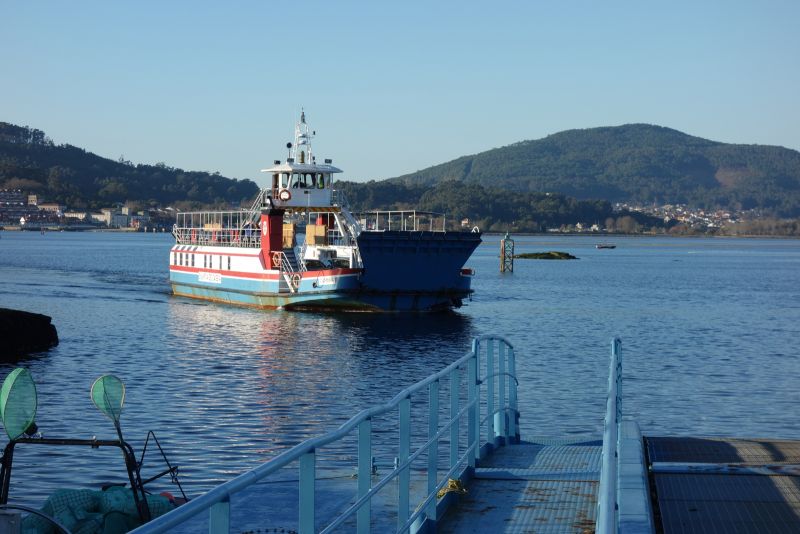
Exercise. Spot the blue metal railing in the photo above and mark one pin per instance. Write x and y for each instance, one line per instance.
(607, 499)
(500, 419)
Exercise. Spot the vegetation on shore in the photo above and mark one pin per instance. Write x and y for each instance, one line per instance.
(81, 180)
(496, 210)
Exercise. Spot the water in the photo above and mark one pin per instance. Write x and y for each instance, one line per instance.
(709, 329)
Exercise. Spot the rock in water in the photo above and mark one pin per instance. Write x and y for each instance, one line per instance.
(551, 255)
(23, 332)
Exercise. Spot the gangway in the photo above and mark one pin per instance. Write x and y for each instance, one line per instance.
(465, 468)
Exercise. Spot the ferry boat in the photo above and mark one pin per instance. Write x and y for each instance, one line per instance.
(374, 261)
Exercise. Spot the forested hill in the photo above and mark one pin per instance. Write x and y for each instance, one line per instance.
(635, 163)
(81, 180)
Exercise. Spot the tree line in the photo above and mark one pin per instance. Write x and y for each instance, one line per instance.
(494, 210)
(82, 180)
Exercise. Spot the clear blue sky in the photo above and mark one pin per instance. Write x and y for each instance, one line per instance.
(390, 87)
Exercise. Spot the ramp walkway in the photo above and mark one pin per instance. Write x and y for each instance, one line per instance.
(539, 486)
(460, 466)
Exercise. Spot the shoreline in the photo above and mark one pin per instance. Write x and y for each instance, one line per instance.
(604, 236)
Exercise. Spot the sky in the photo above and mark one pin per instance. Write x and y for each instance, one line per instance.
(390, 87)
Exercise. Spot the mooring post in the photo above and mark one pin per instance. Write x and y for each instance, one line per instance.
(507, 254)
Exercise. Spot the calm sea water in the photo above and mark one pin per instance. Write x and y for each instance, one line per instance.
(710, 331)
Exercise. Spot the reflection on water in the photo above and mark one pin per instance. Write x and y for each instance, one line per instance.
(261, 381)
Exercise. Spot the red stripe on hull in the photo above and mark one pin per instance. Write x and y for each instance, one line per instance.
(273, 275)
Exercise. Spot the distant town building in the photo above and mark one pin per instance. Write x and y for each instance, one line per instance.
(14, 206)
(52, 206)
(119, 220)
(103, 218)
(139, 221)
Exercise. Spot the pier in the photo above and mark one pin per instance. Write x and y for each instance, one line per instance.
(461, 465)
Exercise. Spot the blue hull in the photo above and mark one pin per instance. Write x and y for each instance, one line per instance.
(416, 262)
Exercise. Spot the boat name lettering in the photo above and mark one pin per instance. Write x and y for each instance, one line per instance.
(326, 281)
(211, 278)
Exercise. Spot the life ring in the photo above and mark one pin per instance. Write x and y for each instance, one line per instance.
(276, 259)
(285, 195)
(296, 280)
(476, 230)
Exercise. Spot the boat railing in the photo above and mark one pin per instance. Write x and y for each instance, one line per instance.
(608, 500)
(404, 221)
(217, 228)
(338, 198)
(223, 237)
(291, 275)
(480, 407)
(258, 202)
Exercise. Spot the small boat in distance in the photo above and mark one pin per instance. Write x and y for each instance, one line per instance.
(605, 245)
(374, 261)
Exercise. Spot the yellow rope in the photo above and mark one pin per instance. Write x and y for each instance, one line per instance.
(454, 486)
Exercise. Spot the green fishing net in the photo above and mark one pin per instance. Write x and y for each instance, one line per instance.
(108, 394)
(18, 402)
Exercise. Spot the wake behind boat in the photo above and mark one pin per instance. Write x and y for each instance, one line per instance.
(379, 261)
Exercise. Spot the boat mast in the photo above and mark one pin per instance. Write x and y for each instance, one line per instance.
(301, 149)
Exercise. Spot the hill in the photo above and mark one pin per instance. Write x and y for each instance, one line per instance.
(635, 163)
(81, 180)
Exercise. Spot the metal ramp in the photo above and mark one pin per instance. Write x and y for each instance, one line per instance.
(562, 486)
(543, 486)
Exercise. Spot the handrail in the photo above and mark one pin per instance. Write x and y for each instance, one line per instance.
(291, 276)
(502, 429)
(404, 220)
(249, 237)
(607, 507)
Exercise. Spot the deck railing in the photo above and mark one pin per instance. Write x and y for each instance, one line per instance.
(607, 499)
(496, 409)
(217, 228)
(404, 221)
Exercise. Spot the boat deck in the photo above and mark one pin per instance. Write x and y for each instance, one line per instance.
(666, 484)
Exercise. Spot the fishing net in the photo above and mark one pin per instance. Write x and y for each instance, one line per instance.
(18, 402)
(108, 394)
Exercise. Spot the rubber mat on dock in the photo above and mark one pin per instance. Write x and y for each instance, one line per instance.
(721, 450)
(709, 485)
